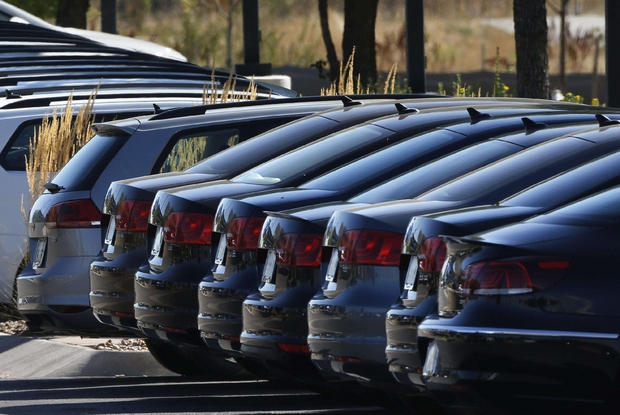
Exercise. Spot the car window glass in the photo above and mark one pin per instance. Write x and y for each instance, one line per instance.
(85, 167)
(313, 155)
(374, 164)
(509, 172)
(266, 146)
(14, 155)
(190, 149)
(600, 208)
(436, 172)
(568, 185)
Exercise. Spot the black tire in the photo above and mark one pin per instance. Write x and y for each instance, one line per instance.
(195, 361)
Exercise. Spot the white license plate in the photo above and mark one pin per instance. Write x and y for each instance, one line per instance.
(221, 250)
(412, 273)
(109, 235)
(159, 239)
(270, 264)
(333, 266)
(40, 253)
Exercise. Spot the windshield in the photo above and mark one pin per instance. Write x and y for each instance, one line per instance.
(508, 172)
(436, 172)
(265, 146)
(385, 160)
(313, 155)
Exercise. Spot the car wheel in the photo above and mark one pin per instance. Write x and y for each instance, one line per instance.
(190, 361)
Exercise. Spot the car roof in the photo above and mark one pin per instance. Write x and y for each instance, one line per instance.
(20, 41)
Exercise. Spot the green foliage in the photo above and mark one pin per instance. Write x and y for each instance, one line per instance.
(570, 97)
(45, 9)
(460, 89)
(500, 89)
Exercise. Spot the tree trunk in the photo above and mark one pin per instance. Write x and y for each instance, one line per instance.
(563, 45)
(332, 57)
(359, 32)
(530, 18)
(72, 13)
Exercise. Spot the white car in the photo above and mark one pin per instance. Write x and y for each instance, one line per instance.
(8, 12)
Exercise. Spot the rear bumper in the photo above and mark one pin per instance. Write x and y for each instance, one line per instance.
(495, 369)
(57, 300)
(166, 307)
(220, 304)
(112, 288)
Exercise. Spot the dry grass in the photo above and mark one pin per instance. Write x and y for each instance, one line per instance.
(60, 136)
(228, 92)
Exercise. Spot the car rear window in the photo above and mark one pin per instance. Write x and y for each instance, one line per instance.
(383, 160)
(436, 172)
(81, 172)
(510, 172)
(262, 147)
(596, 210)
(313, 155)
(569, 185)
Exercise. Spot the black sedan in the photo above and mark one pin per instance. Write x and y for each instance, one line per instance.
(427, 251)
(528, 314)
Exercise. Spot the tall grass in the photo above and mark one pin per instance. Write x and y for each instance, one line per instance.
(346, 83)
(58, 138)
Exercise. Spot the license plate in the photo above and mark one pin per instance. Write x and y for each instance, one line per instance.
(412, 273)
(109, 235)
(40, 253)
(270, 264)
(221, 250)
(332, 268)
(159, 239)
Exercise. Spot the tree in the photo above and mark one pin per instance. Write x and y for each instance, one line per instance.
(72, 13)
(530, 20)
(359, 33)
(561, 10)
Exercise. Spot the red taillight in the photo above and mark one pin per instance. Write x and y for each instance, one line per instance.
(370, 247)
(133, 215)
(511, 276)
(74, 214)
(243, 233)
(293, 348)
(300, 250)
(188, 228)
(432, 255)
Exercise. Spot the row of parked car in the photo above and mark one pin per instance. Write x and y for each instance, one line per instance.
(430, 253)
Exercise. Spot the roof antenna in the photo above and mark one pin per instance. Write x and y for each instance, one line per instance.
(11, 95)
(157, 108)
(348, 102)
(476, 115)
(403, 109)
(532, 126)
(604, 121)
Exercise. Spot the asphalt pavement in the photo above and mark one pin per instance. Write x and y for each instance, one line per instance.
(25, 357)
